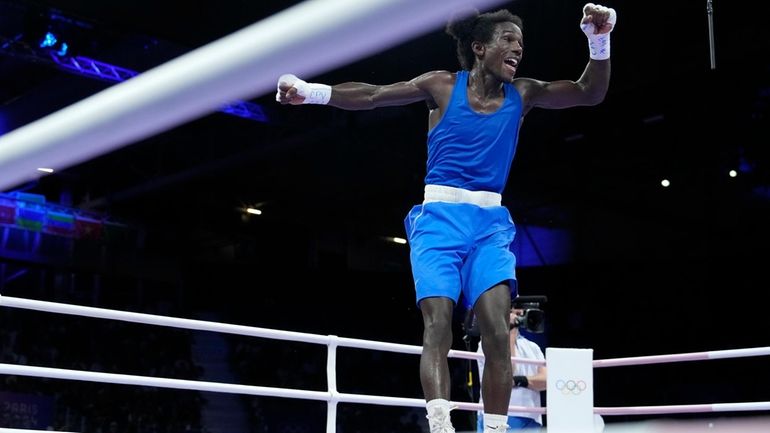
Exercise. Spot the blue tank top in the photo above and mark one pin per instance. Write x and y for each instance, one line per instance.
(472, 150)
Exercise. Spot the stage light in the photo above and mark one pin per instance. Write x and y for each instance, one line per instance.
(49, 40)
(62, 50)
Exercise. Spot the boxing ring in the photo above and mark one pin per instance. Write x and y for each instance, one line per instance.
(557, 385)
(244, 65)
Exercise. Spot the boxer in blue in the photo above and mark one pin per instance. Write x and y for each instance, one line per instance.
(460, 235)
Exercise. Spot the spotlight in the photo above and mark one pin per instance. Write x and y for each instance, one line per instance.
(50, 41)
(62, 50)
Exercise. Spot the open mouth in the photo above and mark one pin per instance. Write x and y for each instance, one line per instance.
(512, 63)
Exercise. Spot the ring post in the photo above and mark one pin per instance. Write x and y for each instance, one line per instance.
(331, 375)
(570, 396)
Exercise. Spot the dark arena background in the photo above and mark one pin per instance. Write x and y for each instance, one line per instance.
(644, 220)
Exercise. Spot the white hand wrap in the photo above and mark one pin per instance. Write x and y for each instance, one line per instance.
(599, 44)
(313, 93)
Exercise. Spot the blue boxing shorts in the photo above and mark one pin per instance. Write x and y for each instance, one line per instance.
(460, 248)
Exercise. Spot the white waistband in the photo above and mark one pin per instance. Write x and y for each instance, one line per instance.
(458, 195)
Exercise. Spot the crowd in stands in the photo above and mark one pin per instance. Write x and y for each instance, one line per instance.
(97, 345)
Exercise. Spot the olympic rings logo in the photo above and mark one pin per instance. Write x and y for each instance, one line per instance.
(574, 387)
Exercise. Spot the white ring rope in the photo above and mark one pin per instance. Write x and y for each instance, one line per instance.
(682, 357)
(332, 396)
(13, 430)
(194, 385)
(332, 341)
(239, 66)
(201, 325)
(683, 408)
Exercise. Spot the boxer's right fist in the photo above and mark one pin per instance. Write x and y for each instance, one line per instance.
(597, 19)
(597, 23)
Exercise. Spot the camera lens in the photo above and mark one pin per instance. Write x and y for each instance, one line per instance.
(535, 320)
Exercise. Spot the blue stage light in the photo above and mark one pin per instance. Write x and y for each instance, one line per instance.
(62, 49)
(49, 40)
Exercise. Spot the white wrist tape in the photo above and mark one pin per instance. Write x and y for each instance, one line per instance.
(313, 93)
(599, 44)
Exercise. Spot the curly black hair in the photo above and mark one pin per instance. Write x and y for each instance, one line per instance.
(477, 27)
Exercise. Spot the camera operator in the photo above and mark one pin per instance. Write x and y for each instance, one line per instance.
(528, 380)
